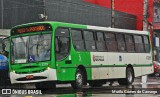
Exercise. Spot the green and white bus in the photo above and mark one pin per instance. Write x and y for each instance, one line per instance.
(46, 53)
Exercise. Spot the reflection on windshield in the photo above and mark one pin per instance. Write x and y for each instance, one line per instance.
(19, 49)
(39, 47)
(31, 48)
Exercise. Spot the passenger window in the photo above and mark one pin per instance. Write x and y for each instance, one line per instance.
(129, 43)
(100, 43)
(120, 42)
(88, 35)
(100, 36)
(77, 38)
(146, 43)
(139, 47)
(62, 43)
(109, 36)
(111, 42)
(89, 40)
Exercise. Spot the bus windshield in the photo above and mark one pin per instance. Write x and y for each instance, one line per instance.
(31, 48)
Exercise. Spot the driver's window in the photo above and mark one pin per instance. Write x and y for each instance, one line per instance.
(62, 43)
(5, 46)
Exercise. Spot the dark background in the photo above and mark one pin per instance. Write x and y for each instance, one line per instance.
(17, 12)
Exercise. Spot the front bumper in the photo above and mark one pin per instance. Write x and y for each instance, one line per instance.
(47, 75)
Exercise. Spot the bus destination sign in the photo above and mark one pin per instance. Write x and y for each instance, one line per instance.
(31, 29)
(28, 29)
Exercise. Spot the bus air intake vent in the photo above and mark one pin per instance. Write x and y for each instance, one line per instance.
(36, 71)
(29, 67)
(34, 78)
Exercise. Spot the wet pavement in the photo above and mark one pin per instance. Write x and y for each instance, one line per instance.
(138, 89)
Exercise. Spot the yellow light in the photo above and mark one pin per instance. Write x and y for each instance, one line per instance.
(48, 68)
(59, 71)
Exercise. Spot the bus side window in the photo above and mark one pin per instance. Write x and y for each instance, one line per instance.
(120, 42)
(139, 47)
(111, 42)
(129, 43)
(146, 43)
(77, 38)
(89, 40)
(5, 46)
(100, 43)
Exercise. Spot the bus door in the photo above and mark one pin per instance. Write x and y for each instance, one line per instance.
(62, 53)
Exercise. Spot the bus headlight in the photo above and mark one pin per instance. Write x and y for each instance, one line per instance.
(48, 68)
(14, 71)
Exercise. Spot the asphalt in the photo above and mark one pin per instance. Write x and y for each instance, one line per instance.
(65, 90)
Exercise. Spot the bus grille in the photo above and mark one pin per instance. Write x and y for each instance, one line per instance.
(37, 71)
(35, 78)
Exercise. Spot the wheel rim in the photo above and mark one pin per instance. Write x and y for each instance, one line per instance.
(79, 79)
(129, 76)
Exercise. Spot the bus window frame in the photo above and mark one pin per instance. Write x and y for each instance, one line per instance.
(94, 40)
(146, 44)
(104, 42)
(108, 41)
(69, 49)
(139, 43)
(132, 35)
(72, 41)
(123, 37)
(5, 49)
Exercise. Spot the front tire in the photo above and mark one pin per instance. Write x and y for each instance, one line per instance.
(79, 80)
(129, 77)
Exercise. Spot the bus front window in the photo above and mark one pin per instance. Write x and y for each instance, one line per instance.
(19, 53)
(40, 47)
(31, 48)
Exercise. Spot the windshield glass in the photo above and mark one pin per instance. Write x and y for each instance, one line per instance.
(20, 49)
(31, 48)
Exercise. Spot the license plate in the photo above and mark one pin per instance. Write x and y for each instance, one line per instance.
(29, 76)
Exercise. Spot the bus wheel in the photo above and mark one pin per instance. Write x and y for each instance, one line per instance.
(45, 85)
(96, 83)
(79, 80)
(129, 77)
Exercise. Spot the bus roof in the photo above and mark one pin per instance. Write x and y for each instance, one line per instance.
(117, 30)
(90, 27)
